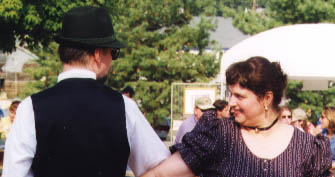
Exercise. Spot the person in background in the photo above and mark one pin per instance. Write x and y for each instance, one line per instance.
(201, 105)
(285, 115)
(12, 110)
(299, 119)
(311, 128)
(81, 127)
(328, 123)
(8, 121)
(254, 143)
(3, 94)
(2, 114)
(318, 128)
(231, 111)
(222, 108)
(128, 91)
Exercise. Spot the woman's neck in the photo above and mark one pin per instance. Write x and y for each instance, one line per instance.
(267, 119)
(266, 123)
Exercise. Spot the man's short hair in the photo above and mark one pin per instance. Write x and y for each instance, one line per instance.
(69, 54)
(74, 54)
(129, 90)
(220, 104)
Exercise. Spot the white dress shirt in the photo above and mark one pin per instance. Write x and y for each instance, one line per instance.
(146, 149)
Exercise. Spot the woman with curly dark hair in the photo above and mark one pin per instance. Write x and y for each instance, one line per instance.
(254, 143)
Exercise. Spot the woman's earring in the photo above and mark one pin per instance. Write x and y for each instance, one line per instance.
(266, 108)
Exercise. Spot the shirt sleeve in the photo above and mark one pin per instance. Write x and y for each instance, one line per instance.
(20, 144)
(201, 145)
(146, 149)
(181, 132)
(319, 161)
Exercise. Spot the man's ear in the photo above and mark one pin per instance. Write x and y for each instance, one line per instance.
(97, 56)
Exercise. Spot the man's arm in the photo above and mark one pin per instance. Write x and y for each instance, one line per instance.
(146, 149)
(20, 143)
(171, 167)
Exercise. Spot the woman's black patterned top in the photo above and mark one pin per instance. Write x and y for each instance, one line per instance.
(215, 147)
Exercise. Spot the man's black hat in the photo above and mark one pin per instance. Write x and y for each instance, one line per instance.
(88, 27)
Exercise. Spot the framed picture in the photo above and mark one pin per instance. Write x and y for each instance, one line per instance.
(191, 94)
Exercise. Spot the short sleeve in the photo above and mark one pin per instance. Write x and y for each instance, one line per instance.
(20, 147)
(319, 162)
(199, 147)
(146, 149)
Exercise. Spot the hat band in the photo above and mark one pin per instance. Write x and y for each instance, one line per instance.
(91, 40)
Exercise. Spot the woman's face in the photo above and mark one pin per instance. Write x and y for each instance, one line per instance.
(247, 107)
(12, 115)
(297, 123)
(324, 120)
(286, 117)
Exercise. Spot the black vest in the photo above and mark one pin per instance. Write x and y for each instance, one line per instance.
(80, 131)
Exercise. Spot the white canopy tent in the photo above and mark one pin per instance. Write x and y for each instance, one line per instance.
(306, 52)
(15, 62)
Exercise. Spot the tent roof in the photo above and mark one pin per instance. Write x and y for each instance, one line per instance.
(305, 51)
(16, 60)
(225, 34)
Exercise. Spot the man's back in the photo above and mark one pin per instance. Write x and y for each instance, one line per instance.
(80, 127)
(80, 130)
(185, 127)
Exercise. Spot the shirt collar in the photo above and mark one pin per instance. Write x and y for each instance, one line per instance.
(76, 73)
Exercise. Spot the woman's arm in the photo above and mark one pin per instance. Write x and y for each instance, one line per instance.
(173, 166)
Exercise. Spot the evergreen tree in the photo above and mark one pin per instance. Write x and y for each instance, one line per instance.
(159, 40)
(44, 75)
(281, 12)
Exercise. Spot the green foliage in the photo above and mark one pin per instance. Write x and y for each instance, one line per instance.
(197, 7)
(302, 11)
(45, 74)
(277, 13)
(242, 4)
(226, 11)
(38, 22)
(252, 23)
(309, 100)
(159, 42)
(280, 12)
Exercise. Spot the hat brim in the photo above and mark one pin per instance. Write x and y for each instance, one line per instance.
(205, 107)
(106, 42)
(299, 118)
